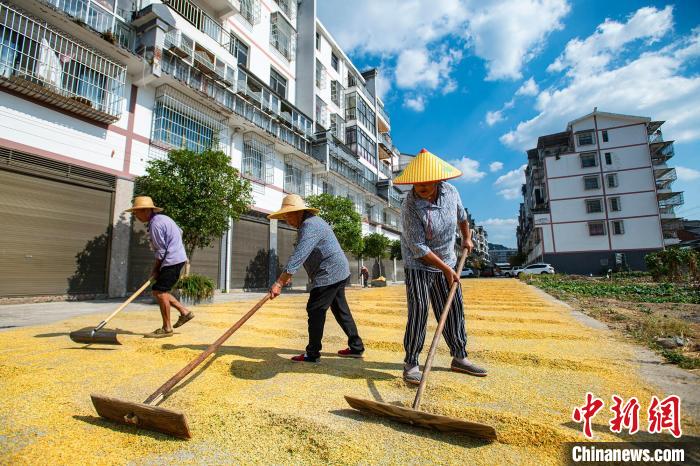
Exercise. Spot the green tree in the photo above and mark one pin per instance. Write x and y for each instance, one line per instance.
(377, 247)
(395, 250)
(199, 191)
(340, 214)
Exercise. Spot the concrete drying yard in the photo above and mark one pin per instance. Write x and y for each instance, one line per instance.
(250, 404)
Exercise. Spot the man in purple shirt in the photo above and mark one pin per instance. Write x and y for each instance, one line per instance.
(166, 242)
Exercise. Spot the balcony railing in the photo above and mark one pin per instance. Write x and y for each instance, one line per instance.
(670, 199)
(112, 28)
(385, 170)
(344, 162)
(661, 152)
(384, 115)
(656, 137)
(247, 102)
(49, 66)
(289, 8)
(200, 20)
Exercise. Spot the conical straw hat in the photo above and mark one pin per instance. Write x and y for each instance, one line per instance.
(427, 167)
(143, 202)
(291, 203)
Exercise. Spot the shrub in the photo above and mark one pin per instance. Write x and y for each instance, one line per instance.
(196, 287)
(674, 264)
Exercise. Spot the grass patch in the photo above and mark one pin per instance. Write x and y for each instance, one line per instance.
(635, 289)
(683, 361)
(648, 329)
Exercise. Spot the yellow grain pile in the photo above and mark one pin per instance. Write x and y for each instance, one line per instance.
(250, 404)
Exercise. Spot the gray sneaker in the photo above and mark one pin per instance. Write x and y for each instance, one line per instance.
(468, 367)
(412, 375)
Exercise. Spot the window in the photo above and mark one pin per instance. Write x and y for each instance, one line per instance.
(336, 93)
(338, 126)
(278, 83)
(588, 160)
(605, 135)
(594, 206)
(357, 109)
(288, 7)
(612, 180)
(596, 228)
(615, 205)
(335, 63)
(618, 228)
(321, 78)
(585, 139)
(294, 179)
(258, 158)
(282, 36)
(250, 10)
(318, 41)
(591, 182)
(352, 80)
(360, 143)
(321, 112)
(238, 49)
(181, 123)
(608, 158)
(327, 188)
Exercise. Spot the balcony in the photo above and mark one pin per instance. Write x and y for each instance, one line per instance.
(661, 152)
(386, 141)
(249, 99)
(667, 213)
(664, 180)
(111, 28)
(668, 199)
(385, 170)
(384, 116)
(49, 66)
(656, 137)
(250, 11)
(289, 8)
(343, 161)
(199, 19)
(204, 60)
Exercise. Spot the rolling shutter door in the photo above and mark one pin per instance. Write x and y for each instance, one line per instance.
(206, 261)
(250, 253)
(286, 238)
(54, 235)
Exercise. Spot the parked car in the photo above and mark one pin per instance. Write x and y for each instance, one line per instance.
(513, 271)
(503, 270)
(537, 269)
(466, 273)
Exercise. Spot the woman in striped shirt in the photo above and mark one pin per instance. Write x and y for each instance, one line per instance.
(431, 213)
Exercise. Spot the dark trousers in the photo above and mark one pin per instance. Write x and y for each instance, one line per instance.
(320, 299)
(429, 289)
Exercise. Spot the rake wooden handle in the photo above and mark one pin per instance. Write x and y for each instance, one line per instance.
(167, 386)
(438, 332)
(124, 304)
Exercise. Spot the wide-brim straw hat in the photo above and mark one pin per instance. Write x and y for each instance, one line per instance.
(291, 203)
(143, 202)
(425, 168)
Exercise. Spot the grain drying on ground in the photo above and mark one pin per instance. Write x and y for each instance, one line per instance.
(251, 404)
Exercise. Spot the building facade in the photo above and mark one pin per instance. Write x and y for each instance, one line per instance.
(599, 195)
(91, 90)
(501, 255)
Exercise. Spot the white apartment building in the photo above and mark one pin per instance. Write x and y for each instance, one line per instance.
(91, 90)
(599, 195)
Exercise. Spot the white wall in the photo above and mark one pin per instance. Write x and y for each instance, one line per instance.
(640, 233)
(40, 127)
(626, 135)
(567, 164)
(572, 237)
(626, 157)
(635, 204)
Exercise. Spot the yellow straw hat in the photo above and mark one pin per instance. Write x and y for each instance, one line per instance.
(143, 202)
(291, 203)
(426, 167)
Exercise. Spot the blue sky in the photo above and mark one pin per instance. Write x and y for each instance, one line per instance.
(477, 81)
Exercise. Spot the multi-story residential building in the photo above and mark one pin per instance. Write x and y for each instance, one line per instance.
(91, 90)
(599, 195)
(500, 255)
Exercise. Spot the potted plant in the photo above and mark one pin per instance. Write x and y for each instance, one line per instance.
(109, 37)
(195, 289)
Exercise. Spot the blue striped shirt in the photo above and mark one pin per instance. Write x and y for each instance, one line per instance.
(318, 249)
(431, 227)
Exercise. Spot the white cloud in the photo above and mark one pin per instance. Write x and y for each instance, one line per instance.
(383, 83)
(494, 117)
(509, 33)
(495, 166)
(652, 84)
(589, 56)
(470, 170)
(687, 174)
(509, 185)
(416, 69)
(529, 87)
(416, 103)
(501, 230)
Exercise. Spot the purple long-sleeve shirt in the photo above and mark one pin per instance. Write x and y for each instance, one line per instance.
(166, 240)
